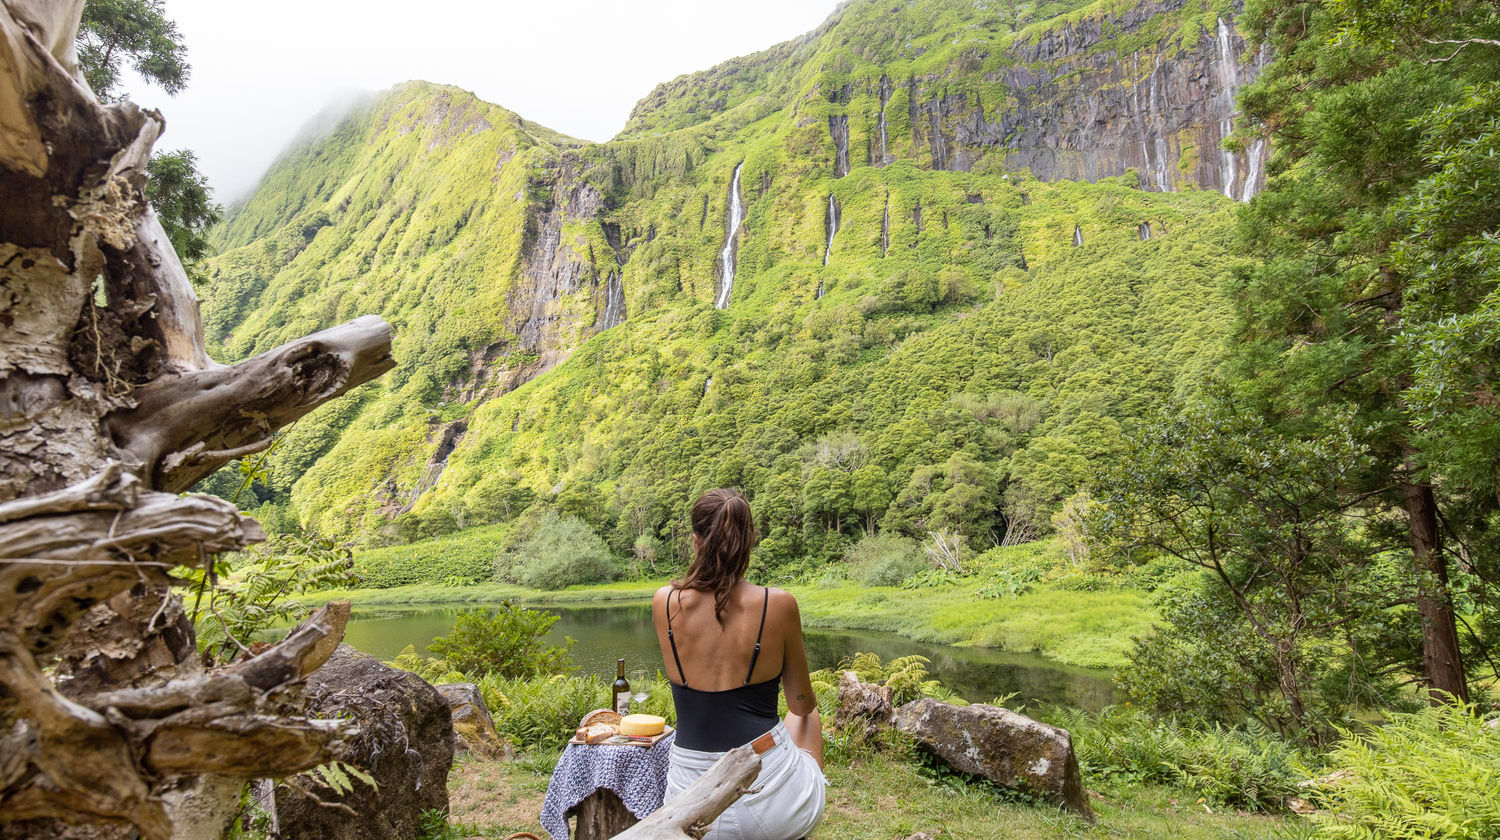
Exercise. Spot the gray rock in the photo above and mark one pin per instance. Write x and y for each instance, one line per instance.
(473, 728)
(405, 743)
(863, 708)
(1009, 749)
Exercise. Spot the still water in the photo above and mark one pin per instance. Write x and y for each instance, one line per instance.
(604, 634)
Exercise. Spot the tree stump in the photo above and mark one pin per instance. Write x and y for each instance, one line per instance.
(600, 815)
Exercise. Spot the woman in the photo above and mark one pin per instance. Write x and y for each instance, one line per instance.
(728, 645)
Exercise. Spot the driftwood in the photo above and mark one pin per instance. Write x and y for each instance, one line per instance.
(688, 815)
(110, 406)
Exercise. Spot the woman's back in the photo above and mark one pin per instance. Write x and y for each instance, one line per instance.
(716, 656)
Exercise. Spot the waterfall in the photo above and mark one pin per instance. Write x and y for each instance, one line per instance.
(614, 302)
(1144, 231)
(1161, 166)
(707, 382)
(1077, 236)
(832, 223)
(726, 256)
(1253, 160)
(838, 129)
(1229, 80)
(885, 96)
(885, 227)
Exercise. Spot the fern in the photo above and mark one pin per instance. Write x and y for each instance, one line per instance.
(1430, 775)
(340, 776)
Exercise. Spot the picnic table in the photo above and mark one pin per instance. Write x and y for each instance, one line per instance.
(605, 788)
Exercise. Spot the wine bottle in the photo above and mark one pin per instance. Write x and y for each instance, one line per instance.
(621, 690)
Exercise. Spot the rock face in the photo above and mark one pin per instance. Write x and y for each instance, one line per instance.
(473, 728)
(405, 743)
(1009, 749)
(1084, 112)
(863, 708)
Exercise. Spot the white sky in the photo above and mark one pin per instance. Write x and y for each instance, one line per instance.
(262, 69)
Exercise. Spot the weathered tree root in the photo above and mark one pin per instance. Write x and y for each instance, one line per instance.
(110, 405)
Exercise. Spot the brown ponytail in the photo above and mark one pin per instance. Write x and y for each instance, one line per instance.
(726, 533)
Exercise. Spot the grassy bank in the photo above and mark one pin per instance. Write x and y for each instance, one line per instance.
(1091, 629)
(882, 796)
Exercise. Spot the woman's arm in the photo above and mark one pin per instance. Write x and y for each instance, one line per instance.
(802, 719)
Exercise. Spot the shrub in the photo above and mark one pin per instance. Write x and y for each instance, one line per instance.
(906, 676)
(562, 551)
(435, 671)
(1239, 767)
(1423, 776)
(468, 556)
(884, 559)
(508, 641)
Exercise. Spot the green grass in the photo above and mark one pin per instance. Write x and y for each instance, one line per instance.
(885, 797)
(466, 557)
(1090, 629)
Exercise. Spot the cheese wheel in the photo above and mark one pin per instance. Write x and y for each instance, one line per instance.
(642, 726)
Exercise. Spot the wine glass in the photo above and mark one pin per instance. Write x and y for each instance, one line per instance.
(640, 685)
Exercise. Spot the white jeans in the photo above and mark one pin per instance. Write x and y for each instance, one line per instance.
(786, 807)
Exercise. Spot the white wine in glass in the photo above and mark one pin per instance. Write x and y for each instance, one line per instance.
(640, 685)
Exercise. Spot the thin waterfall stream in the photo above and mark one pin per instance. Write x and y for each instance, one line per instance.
(1229, 78)
(726, 256)
(833, 227)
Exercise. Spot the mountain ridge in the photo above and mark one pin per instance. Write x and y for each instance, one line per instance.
(501, 251)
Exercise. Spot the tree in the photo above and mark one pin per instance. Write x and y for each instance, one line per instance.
(115, 409)
(112, 32)
(115, 31)
(1268, 516)
(180, 195)
(1321, 319)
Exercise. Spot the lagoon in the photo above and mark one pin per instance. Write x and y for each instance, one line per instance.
(603, 634)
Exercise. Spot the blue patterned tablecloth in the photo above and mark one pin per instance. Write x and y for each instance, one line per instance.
(637, 774)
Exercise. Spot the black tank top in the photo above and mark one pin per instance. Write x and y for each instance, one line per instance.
(715, 721)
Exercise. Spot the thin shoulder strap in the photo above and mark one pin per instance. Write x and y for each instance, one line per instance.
(756, 653)
(673, 642)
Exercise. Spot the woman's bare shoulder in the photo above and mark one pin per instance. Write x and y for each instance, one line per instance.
(781, 599)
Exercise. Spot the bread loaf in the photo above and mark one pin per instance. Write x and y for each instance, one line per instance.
(598, 716)
(642, 726)
(599, 733)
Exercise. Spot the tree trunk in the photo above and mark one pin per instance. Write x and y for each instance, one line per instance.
(601, 815)
(1442, 660)
(688, 815)
(109, 407)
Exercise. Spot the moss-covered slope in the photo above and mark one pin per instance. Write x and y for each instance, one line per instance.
(957, 356)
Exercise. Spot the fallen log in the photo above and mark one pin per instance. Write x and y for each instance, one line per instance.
(688, 815)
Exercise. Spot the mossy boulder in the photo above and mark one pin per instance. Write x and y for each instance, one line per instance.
(405, 744)
(473, 728)
(1007, 748)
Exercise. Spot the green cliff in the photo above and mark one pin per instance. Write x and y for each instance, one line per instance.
(958, 354)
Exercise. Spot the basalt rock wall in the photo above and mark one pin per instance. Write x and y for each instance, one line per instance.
(1080, 110)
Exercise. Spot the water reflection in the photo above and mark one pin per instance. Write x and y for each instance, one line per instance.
(604, 634)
